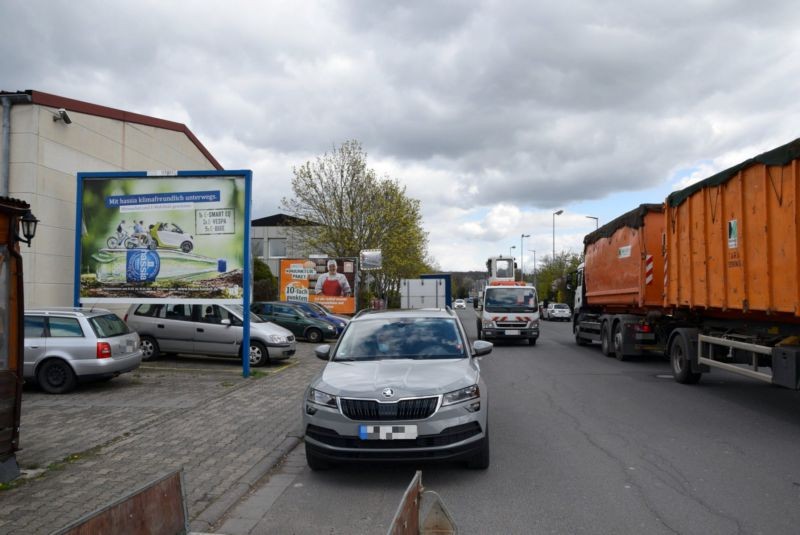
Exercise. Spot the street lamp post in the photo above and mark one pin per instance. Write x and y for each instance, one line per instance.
(596, 221)
(510, 251)
(522, 256)
(554, 232)
(534, 265)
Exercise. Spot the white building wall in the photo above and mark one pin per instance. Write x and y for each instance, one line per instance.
(46, 157)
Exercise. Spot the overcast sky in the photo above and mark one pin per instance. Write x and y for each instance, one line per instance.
(494, 114)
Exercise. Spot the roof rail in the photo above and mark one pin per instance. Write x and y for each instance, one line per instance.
(362, 311)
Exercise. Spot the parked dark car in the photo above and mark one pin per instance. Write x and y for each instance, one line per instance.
(319, 311)
(292, 317)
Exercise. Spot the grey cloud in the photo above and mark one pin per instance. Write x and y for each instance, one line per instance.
(532, 104)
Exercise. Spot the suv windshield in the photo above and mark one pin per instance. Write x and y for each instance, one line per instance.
(401, 338)
(561, 306)
(510, 299)
(108, 325)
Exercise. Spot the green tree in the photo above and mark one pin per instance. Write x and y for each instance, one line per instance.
(265, 286)
(552, 276)
(353, 210)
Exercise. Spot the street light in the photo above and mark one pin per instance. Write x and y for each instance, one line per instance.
(534, 265)
(596, 221)
(554, 232)
(510, 253)
(522, 256)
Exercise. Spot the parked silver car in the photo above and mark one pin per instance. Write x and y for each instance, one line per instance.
(65, 345)
(206, 330)
(399, 385)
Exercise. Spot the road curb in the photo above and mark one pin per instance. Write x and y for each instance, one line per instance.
(212, 514)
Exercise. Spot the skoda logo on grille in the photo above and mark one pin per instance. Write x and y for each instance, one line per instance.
(387, 392)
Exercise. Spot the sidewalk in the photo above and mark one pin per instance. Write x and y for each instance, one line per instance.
(100, 442)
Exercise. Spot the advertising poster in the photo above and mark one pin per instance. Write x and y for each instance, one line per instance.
(327, 281)
(161, 238)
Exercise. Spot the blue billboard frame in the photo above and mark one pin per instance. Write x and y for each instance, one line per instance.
(246, 174)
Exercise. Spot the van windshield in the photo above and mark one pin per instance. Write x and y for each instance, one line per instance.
(510, 299)
(239, 311)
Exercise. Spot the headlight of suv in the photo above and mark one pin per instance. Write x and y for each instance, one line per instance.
(277, 339)
(321, 398)
(471, 392)
(488, 323)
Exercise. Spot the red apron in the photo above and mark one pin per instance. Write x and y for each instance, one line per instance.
(331, 287)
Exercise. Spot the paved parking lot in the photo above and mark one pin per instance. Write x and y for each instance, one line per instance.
(96, 444)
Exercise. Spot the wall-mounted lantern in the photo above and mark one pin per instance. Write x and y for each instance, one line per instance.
(29, 223)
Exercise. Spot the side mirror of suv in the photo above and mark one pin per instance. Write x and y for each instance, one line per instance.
(481, 348)
(323, 352)
(225, 322)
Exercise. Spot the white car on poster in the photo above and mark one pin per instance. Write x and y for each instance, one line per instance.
(171, 236)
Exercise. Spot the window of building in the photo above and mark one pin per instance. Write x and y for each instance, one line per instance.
(257, 246)
(277, 247)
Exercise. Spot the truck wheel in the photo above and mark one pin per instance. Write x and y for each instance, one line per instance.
(532, 341)
(605, 343)
(681, 366)
(618, 342)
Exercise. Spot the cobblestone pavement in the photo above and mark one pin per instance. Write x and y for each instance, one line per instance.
(104, 440)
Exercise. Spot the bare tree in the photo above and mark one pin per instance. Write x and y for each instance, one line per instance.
(353, 210)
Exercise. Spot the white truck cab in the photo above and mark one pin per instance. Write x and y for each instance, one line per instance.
(507, 308)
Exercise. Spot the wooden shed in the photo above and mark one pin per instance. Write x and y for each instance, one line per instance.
(11, 333)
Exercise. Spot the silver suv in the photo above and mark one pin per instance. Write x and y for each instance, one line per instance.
(64, 345)
(207, 330)
(399, 385)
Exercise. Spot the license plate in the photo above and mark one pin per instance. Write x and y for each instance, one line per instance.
(512, 333)
(387, 432)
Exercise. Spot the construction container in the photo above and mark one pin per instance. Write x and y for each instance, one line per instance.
(732, 241)
(624, 270)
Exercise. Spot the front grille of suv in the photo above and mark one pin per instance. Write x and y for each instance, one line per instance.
(371, 410)
(451, 435)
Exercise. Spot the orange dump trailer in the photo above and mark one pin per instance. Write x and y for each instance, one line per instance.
(623, 269)
(711, 278)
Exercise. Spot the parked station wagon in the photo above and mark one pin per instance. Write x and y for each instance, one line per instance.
(67, 345)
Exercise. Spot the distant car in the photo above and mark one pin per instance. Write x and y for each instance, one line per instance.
(557, 312)
(459, 303)
(214, 330)
(400, 385)
(171, 236)
(67, 345)
(294, 318)
(320, 312)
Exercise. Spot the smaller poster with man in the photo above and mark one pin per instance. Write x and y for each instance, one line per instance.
(327, 281)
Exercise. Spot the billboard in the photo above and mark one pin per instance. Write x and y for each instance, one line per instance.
(162, 238)
(327, 281)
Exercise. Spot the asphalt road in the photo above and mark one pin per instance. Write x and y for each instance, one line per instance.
(581, 443)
